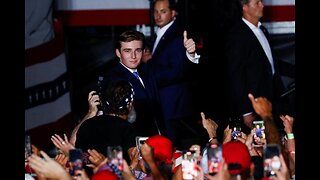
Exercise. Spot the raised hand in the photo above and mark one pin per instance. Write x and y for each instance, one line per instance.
(97, 159)
(287, 123)
(189, 44)
(93, 102)
(48, 167)
(62, 159)
(62, 144)
(261, 105)
(210, 125)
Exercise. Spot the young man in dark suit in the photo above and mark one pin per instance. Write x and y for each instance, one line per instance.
(129, 50)
(147, 113)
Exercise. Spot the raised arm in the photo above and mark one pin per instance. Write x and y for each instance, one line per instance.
(93, 102)
(263, 108)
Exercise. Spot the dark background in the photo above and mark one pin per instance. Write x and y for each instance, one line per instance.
(90, 52)
(307, 98)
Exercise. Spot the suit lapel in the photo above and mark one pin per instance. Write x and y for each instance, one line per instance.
(258, 46)
(265, 32)
(132, 79)
(166, 37)
(254, 40)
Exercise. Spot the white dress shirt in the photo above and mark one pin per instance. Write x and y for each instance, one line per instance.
(263, 41)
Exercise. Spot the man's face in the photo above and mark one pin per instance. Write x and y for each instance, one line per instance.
(254, 9)
(130, 53)
(162, 14)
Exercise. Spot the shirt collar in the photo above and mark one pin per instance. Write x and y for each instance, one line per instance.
(161, 31)
(251, 26)
(131, 70)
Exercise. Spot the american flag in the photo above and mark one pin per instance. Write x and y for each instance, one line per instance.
(47, 94)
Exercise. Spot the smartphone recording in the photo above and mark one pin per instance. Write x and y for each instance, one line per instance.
(214, 153)
(27, 146)
(259, 136)
(139, 141)
(235, 126)
(189, 164)
(271, 160)
(115, 156)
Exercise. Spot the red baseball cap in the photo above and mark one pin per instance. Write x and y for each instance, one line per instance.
(162, 147)
(236, 153)
(105, 174)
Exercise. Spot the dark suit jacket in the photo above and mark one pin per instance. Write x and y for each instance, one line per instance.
(145, 100)
(170, 66)
(249, 70)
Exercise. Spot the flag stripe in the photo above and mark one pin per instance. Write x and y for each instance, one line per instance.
(130, 4)
(278, 2)
(278, 13)
(48, 112)
(101, 4)
(46, 71)
(141, 16)
(280, 27)
(104, 17)
(46, 92)
(44, 52)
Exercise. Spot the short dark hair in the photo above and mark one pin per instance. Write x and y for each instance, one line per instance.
(130, 35)
(117, 97)
(243, 2)
(172, 4)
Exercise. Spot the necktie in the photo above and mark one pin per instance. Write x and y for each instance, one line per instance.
(136, 75)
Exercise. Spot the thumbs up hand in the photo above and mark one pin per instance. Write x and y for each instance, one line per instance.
(189, 44)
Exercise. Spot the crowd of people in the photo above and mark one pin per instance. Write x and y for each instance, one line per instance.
(240, 157)
(148, 94)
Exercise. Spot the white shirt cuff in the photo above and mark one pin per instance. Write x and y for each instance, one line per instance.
(194, 59)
